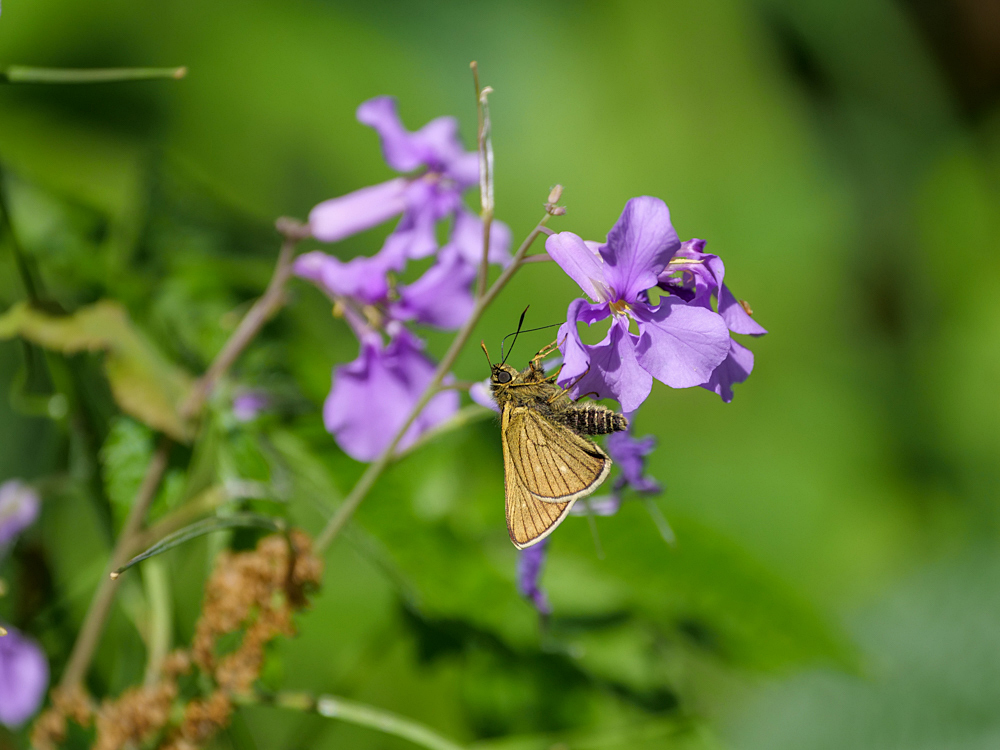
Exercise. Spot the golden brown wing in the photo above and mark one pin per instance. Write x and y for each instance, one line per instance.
(529, 520)
(553, 462)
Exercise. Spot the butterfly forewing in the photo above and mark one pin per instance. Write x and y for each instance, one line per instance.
(552, 462)
(529, 520)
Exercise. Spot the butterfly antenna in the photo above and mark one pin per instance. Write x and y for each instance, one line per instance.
(483, 344)
(520, 322)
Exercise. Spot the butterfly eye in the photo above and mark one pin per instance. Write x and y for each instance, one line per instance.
(503, 376)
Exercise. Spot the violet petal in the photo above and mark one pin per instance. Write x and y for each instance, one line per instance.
(629, 454)
(736, 317)
(467, 238)
(482, 394)
(19, 507)
(337, 218)
(361, 278)
(530, 562)
(735, 368)
(680, 344)
(580, 264)
(576, 358)
(442, 297)
(372, 396)
(640, 244)
(24, 675)
(614, 370)
(435, 146)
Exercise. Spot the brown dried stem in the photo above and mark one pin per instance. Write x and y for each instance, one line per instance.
(484, 144)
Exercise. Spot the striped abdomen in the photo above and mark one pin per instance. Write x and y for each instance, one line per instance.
(593, 419)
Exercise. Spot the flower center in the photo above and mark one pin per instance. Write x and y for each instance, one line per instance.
(619, 307)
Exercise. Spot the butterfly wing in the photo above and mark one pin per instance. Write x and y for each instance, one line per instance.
(529, 520)
(553, 463)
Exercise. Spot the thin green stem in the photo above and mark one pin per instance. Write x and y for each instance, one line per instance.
(375, 469)
(333, 707)
(103, 599)
(27, 74)
(156, 580)
(100, 606)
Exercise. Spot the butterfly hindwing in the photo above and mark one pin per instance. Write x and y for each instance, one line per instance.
(529, 520)
(553, 463)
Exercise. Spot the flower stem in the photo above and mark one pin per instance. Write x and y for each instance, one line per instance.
(361, 714)
(261, 312)
(100, 605)
(27, 74)
(486, 201)
(375, 469)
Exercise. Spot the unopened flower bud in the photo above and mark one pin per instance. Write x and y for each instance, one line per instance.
(555, 194)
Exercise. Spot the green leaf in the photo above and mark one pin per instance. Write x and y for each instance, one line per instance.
(145, 384)
(124, 458)
(200, 528)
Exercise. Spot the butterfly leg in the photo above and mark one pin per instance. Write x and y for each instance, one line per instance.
(565, 391)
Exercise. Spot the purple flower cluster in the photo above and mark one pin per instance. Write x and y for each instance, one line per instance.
(24, 670)
(530, 562)
(681, 340)
(371, 396)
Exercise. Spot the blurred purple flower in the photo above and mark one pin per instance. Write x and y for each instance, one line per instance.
(482, 394)
(529, 572)
(697, 281)
(603, 505)
(19, 507)
(372, 396)
(678, 343)
(249, 404)
(444, 170)
(24, 675)
(630, 455)
(442, 297)
(363, 279)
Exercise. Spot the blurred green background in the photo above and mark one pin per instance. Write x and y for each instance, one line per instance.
(835, 580)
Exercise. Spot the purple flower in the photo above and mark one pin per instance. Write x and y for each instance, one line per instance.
(19, 507)
(249, 404)
(482, 394)
(372, 396)
(529, 572)
(603, 505)
(443, 171)
(678, 343)
(630, 455)
(442, 297)
(697, 276)
(363, 279)
(24, 675)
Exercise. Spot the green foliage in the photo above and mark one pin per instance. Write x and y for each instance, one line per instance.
(124, 457)
(144, 383)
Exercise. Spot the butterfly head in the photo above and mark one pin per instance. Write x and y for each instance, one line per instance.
(502, 375)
